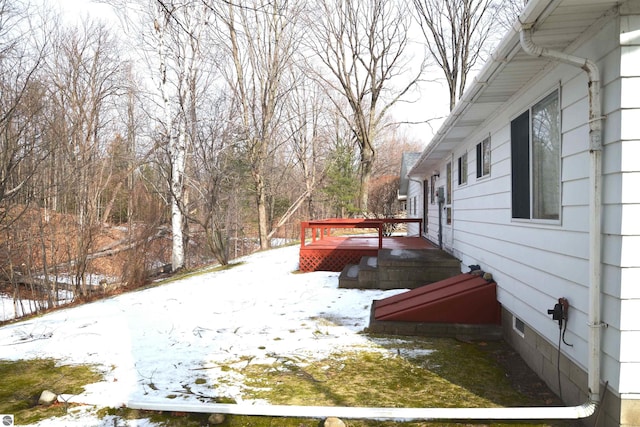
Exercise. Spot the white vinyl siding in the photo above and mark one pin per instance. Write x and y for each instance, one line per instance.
(414, 192)
(536, 262)
(626, 199)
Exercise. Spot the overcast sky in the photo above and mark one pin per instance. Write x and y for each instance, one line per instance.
(429, 102)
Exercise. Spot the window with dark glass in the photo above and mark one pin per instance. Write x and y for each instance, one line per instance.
(462, 169)
(535, 161)
(483, 158)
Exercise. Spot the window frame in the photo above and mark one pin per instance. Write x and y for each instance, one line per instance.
(483, 158)
(463, 169)
(525, 203)
(449, 184)
(433, 189)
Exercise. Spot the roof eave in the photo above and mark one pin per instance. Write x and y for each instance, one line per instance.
(504, 52)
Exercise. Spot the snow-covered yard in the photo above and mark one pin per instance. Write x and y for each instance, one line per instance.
(150, 343)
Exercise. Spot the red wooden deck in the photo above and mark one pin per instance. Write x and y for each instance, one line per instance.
(331, 253)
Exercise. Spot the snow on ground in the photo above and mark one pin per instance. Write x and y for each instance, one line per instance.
(9, 310)
(151, 342)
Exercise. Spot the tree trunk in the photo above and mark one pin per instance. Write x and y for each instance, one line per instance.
(177, 154)
(263, 217)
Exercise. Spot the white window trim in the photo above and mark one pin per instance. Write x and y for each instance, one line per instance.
(532, 220)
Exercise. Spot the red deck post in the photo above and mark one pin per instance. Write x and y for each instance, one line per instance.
(303, 233)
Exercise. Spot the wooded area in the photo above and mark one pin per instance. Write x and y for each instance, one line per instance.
(196, 131)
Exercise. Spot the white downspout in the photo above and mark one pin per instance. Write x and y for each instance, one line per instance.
(595, 199)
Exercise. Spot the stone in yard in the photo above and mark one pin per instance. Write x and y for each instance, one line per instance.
(216, 419)
(47, 398)
(333, 422)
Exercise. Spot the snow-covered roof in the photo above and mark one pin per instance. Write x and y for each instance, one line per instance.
(557, 24)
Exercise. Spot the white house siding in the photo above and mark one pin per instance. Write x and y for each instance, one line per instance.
(535, 263)
(624, 225)
(414, 206)
(432, 230)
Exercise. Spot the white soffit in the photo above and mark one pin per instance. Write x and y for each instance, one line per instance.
(558, 25)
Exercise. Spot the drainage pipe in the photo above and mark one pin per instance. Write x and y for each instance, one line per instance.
(595, 198)
(378, 414)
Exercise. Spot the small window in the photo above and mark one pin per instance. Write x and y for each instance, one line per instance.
(483, 158)
(449, 184)
(433, 189)
(462, 169)
(518, 326)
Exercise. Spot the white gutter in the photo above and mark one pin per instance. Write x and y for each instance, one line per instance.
(379, 414)
(595, 199)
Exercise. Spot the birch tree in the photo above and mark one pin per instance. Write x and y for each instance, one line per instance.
(179, 28)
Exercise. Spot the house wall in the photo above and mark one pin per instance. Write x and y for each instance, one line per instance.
(414, 206)
(536, 262)
(623, 227)
(432, 230)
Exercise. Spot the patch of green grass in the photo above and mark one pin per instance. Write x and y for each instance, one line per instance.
(413, 372)
(396, 372)
(168, 419)
(23, 381)
(357, 379)
(466, 365)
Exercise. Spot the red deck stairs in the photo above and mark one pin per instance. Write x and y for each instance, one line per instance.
(455, 306)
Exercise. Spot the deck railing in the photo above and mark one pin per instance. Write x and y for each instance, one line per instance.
(322, 228)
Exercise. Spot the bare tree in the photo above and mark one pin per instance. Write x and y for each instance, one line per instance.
(215, 179)
(309, 130)
(21, 105)
(455, 32)
(84, 78)
(363, 49)
(506, 12)
(172, 33)
(260, 41)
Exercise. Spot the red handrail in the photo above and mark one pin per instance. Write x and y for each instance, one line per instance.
(326, 225)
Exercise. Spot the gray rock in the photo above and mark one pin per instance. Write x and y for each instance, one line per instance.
(334, 422)
(47, 398)
(216, 419)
